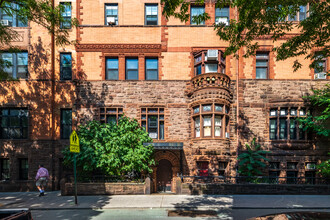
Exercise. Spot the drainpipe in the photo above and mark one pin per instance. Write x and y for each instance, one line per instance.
(53, 100)
(237, 102)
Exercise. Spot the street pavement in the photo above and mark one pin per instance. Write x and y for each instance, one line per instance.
(55, 206)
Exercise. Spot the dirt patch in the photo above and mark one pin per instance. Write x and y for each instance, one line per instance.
(192, 213)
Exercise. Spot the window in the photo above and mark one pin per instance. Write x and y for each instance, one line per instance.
(14, 123)
(211, 120)
(274, 172)
(262, 65)
(222, 168)
(209, 61)
(291, 173)
(23, 168)
(321, 67)
(203, 168)
(10, 18)
(152, 119)
(283, 124)
(66, 14)
(16, 64)
(299, 14)
(310, 177)
(151, 14)
(196, 11)
(112, 69)
(110, 115)
(151, 69)
(222, 15)
(132, 69)
(111, 14)
(4, 169)
(66, 66)
(302, 12)
(66, 123)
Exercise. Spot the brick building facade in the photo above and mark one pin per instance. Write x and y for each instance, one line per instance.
(199, 107)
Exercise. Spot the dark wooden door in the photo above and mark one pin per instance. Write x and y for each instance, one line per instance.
(164, 176)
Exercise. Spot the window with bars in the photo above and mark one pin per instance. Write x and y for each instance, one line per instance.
(274, 171)
(152, 119)
(110, 115)
(203, 168)
(16, 64)
(262, 65)
(211, 120)
(14, 123)
(291, 172)
(196, 11)
(151, 69)
(111, 14)
(283, 124)
(65, 66)
(66, 14)
(10, 17)
(4, 169)
(66, 123)
(151, 14)
(222, 15)
(203, 64)
(111, 69)
(23, 168)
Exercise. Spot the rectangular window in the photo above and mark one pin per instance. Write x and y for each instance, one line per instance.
(222, 168)
(291, 177)
(217, 126)
(207, 125)
(152, 119)
(23, 168)
(66, 15)
(4, 169)
(196, 11)
(10, 18)
(274, 172)
(310, 177)
(293, 16)
(321, 66)
(197, 127)
(111, 14)
(222, 15)
(14, 123)
(132, 69)
(110, 115)
(151, 14)
(203, 168)
(211, 68)
(16, 64)
(111, 69)
(65, 66)
(302, 12)
(66, 123)
(262, 65)
(151, 69)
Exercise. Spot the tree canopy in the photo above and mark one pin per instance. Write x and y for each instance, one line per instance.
(272, 19)
(113, 149)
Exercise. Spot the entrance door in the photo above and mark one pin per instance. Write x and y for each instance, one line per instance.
(164, 176)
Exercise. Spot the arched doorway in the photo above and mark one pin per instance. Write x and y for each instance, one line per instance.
(164, 176)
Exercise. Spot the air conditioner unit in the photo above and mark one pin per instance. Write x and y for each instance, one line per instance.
(212, 54)
(5, 22)
(310, 166)
(222, 20)
(111, 20)
(320, 75)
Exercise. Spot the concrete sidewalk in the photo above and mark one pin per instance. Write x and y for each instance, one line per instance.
(53, 200)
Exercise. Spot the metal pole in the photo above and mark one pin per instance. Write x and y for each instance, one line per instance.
(75, 179)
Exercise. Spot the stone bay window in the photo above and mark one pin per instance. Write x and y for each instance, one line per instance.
(211, 121)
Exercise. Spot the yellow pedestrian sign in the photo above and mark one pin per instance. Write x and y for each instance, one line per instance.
(74, 142)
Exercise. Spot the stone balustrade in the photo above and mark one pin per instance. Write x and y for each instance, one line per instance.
(210, 80)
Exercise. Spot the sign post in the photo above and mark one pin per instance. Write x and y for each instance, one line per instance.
(75, 148)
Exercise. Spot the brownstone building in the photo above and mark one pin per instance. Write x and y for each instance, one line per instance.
(198, 106)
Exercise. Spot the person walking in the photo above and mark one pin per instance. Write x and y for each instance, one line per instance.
(41, 179)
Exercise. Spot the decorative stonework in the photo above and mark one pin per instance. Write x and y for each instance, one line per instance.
(123, 48)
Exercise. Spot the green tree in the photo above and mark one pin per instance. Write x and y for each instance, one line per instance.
(263, 18)
(41, 12)
(252, 161)
(324, 168)
(113, 149)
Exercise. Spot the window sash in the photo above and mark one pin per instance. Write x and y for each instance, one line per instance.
(65, 66)
(132, 69)
(112, 72)
(18, 64)
(13, 123)
(151, 69)
(222, 14)
(4, 169)
(196, 11)
(151, 14)
(111, 10)
(66, 123)
(66, 14)
(14, 20)
(23, 169)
